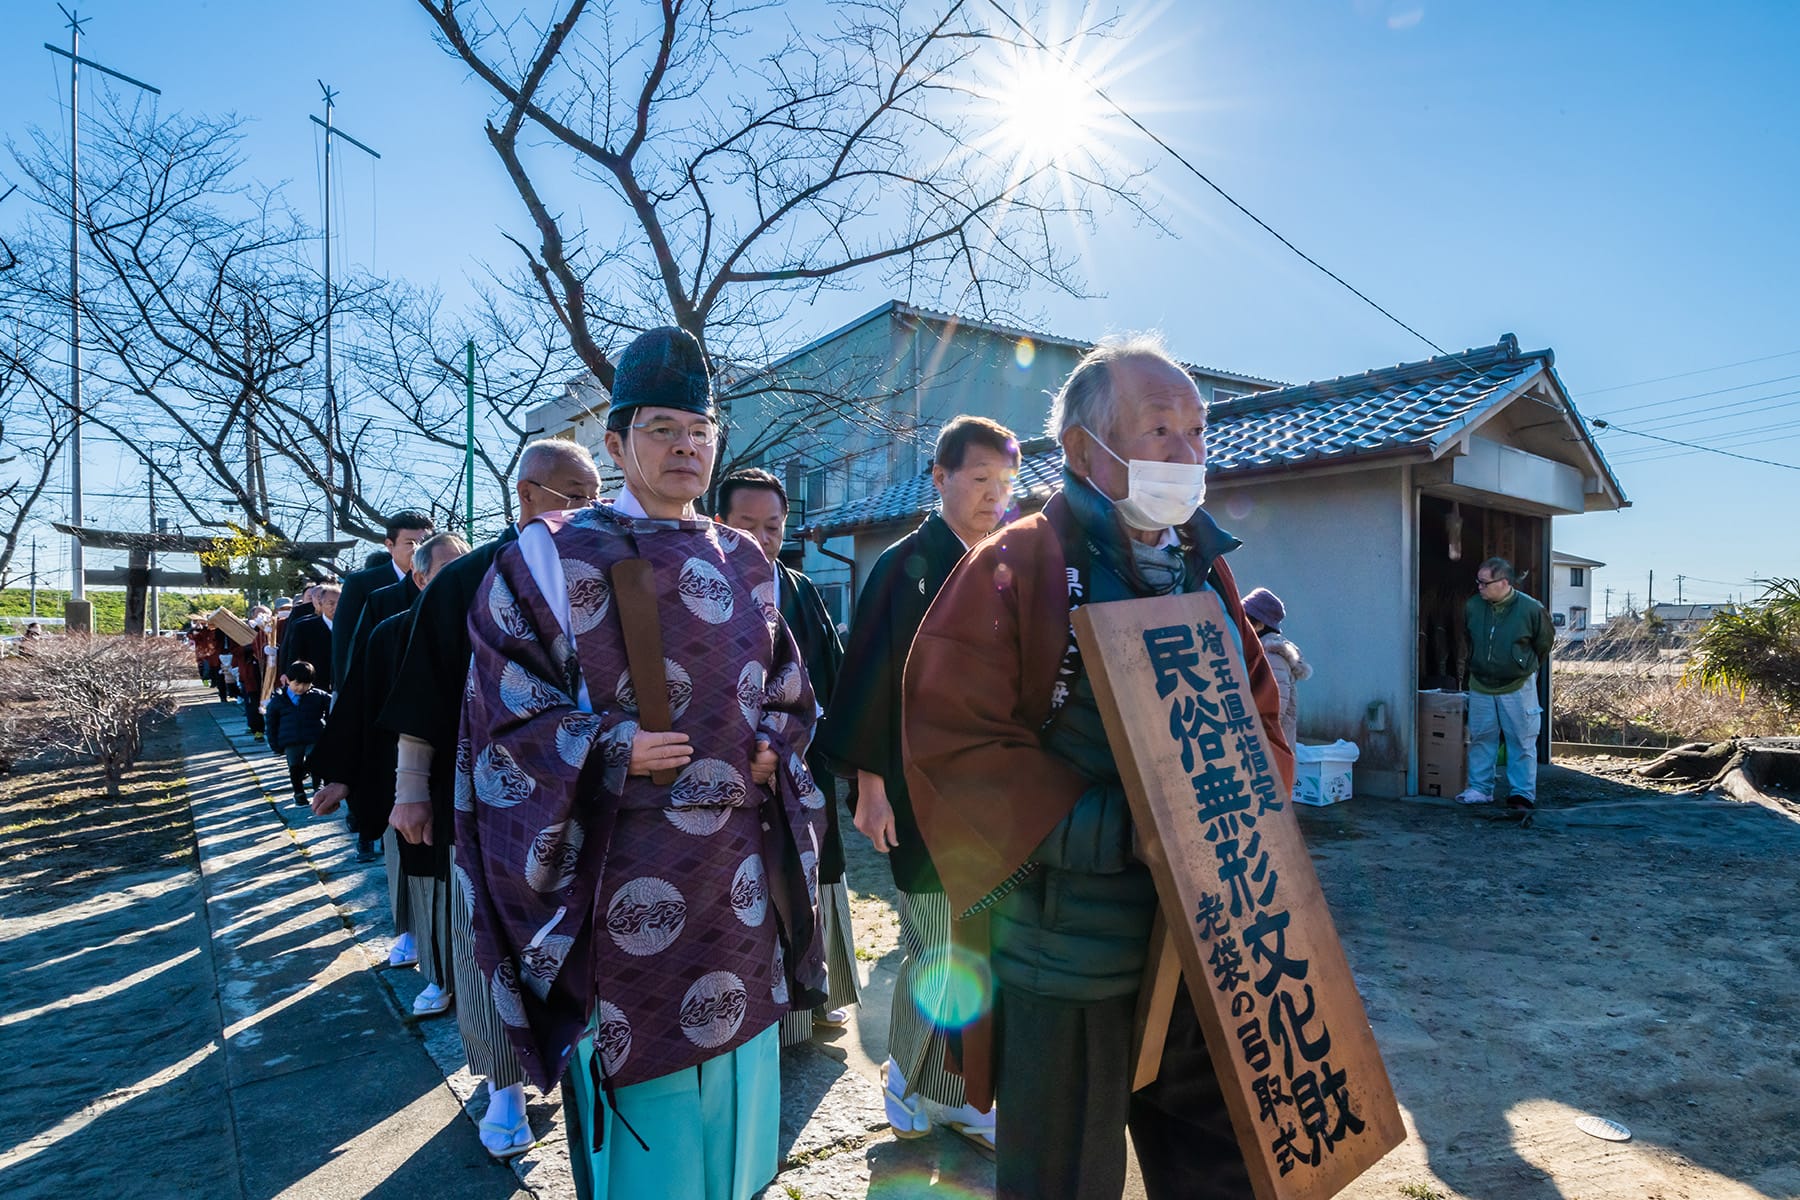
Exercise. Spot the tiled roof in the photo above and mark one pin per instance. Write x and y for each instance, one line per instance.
(1411, 407)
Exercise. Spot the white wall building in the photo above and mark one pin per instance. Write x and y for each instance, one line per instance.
(1572, 596)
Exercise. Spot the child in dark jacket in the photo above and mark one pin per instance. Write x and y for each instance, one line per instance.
(295, 721)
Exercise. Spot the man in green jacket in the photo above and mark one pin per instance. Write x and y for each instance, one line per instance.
(1509, 638)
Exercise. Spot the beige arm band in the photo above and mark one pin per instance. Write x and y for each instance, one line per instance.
(412, 779)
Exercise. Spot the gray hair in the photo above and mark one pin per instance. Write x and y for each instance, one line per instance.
(445, 546)
(1086, 397)
(551, 453)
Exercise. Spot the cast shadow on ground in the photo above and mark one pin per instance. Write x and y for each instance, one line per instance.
(1592, 964)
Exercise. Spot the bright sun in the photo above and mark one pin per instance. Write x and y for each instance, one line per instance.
(1047, 111)
(1040, 110)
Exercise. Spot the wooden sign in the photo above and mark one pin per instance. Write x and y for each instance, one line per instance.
(1309, 1097)
(231, 625)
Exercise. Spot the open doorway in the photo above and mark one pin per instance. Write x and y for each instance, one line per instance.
(1472, 532)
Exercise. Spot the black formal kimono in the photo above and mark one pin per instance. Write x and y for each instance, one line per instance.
(861, 730)
(357, 752)
(358, 587)
(381, 604)
(309, 640)
(823, 653)
(426, 700)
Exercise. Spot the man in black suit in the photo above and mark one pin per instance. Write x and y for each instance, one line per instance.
(425, 709)
(309, 637)
(405, 532)
(754, 501)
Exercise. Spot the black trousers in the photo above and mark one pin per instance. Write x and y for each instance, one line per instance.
(1064, 1100)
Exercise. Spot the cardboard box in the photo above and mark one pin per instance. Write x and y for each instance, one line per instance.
(1322, 773)
(1443, 741)
(1442, 778)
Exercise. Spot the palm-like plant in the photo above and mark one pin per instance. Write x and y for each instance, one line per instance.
(1755, 648)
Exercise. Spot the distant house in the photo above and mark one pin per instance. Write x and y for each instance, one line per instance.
(1572, 595)
(578, 415)
(1366, 502)
(849, 418)
(1684, 620)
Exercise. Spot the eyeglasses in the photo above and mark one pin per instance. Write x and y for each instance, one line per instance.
(1481, 583)
(667, 433)
(575, 501)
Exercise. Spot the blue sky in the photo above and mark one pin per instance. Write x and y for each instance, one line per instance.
(1615, 181)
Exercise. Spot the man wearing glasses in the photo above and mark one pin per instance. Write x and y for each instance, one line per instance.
(1509, 638)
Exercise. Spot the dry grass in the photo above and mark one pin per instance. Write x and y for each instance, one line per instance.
(1630, 694)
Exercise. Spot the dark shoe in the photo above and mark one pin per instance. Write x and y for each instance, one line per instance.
(300, 801)
(367, 851)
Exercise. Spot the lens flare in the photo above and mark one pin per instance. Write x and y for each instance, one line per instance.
(952, 987)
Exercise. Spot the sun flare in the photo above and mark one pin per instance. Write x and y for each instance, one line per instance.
(1046, 111)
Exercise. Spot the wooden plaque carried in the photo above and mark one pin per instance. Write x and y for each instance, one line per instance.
(1309, 1097)
(231, 625)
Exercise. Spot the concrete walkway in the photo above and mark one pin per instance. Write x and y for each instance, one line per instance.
(835, 1140)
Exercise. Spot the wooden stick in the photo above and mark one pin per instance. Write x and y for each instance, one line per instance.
(1156, 1004)
(634, 591)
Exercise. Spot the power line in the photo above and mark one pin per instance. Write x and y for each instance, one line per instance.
(1767, 462)
(1617, 387)
(1736, 387)
(1227, 196)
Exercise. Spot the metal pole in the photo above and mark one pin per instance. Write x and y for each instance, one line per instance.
(331, 411)
(469, 448)
(330, 384)
(78, 585)
(34, 577)
(155, 592)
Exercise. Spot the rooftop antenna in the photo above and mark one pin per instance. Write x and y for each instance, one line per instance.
(330, 380)
(77, 585)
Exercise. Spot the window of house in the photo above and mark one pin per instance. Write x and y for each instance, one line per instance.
(1578, 618)
(837, 601)
(1221, 395)
(1558, 620)
(1577, 576)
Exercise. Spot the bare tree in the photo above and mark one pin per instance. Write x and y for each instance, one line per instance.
(411, 357)
(748, 171)
(202, 315)
(92, 696)
(34, 429)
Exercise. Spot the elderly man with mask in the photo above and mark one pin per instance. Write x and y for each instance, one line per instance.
(1018, 795)
(644, 897)
(424, 710)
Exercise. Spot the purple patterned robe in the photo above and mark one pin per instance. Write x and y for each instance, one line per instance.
(684, 914)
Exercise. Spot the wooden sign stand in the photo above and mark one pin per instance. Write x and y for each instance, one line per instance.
(1243, 920)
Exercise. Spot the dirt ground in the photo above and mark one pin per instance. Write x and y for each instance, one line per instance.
(1630, 955)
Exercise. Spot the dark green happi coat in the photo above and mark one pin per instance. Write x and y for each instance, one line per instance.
(862, 727)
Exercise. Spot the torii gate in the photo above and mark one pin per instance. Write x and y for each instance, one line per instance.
(137, 578)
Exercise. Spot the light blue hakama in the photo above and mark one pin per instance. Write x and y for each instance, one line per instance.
(712, 1130)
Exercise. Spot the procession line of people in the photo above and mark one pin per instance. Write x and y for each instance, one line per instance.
(603, 754)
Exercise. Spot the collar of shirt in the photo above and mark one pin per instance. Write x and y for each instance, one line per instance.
(325, 619)
(399, 575)
(628, 505)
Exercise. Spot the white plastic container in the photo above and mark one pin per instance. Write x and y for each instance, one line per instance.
(1322, 773)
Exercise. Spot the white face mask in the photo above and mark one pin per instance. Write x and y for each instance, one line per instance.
(1158, 494)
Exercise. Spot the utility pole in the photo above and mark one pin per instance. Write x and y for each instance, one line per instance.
(78, 585)
(34, 576)
(469, 449)
(1678, 580)
(1630, 610)
(155, 592)
(1651, 602)
(330, 380)
(1607, 616)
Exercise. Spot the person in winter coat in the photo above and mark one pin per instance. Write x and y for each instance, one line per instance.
(295, 721)
(1266, 613)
